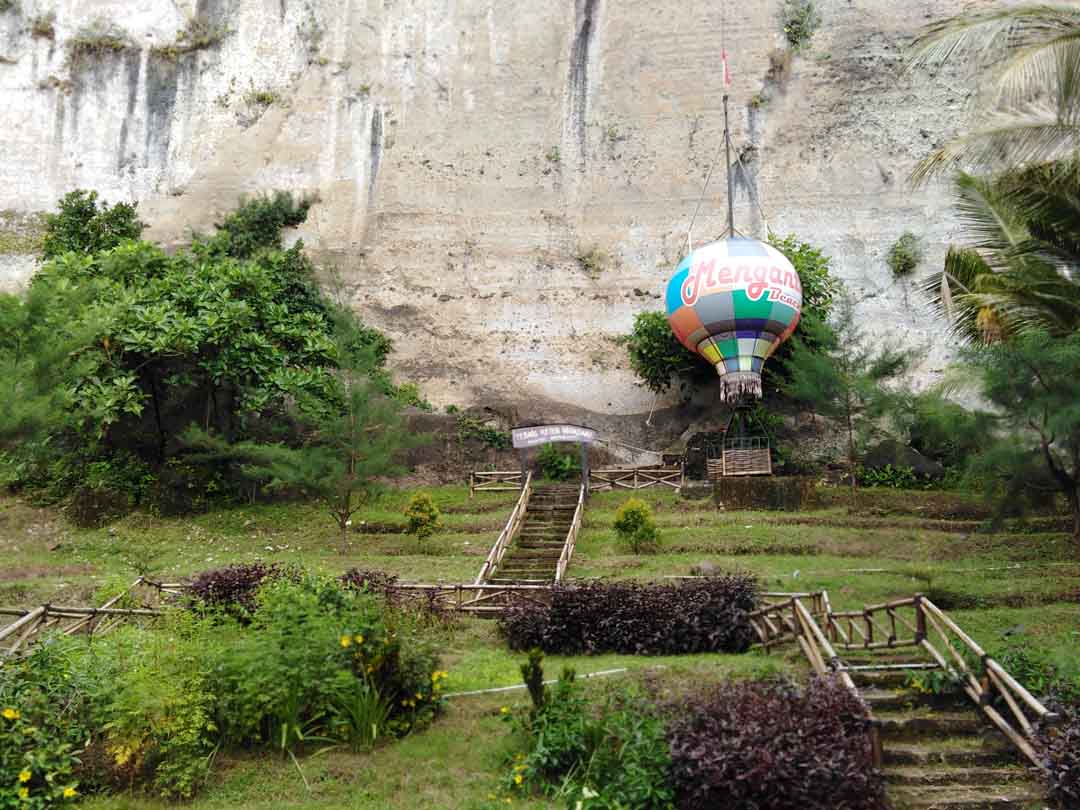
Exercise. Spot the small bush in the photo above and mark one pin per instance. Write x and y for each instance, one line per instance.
(470, 427)
(84, 225)
(233, 589)
(43, 26)
(593, 261)
(557, 464)
(1059, 747)
(611, 756)
(891, 477)
(905, 254)
(801, 19)
(196, 35)
(7, 5)
(770, 746)
(635, 526)
(100, 39)
(43, 708)
(710, 615)
(423, 516)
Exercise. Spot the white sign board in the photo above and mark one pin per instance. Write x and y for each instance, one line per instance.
(542, 434)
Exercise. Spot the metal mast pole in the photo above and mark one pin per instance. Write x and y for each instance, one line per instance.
(730, 186)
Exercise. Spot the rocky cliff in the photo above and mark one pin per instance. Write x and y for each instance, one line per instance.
(502, 184)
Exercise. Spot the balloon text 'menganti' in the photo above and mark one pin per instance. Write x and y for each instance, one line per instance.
(760, 279)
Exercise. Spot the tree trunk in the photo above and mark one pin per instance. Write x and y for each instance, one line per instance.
(1074, 506)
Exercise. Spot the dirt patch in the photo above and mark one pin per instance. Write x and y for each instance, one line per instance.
(38, 571)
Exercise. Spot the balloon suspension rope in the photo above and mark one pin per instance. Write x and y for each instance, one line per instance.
(726, 145)
(648, 422)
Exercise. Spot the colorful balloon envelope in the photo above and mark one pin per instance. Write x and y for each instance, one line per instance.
(734, 302)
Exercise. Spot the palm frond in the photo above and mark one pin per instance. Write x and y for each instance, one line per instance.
(985, 37)
(1038, 136)
(1034, 67)
(989, 215)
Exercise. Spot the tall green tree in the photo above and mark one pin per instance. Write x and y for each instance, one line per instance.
(1026, 61)
(844, 377)
(1034, 381)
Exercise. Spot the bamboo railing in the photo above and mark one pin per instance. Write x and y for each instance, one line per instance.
(571, 538)
(636, 477)
(30, 624)
(483, 599)
(495, 481)
(509, 532)
(914, 622)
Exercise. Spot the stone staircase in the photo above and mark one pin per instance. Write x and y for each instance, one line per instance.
(533, 557)
(938, 752)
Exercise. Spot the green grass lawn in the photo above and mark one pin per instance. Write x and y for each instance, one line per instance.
(1019, 586)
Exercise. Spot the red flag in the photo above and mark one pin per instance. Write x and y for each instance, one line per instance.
(727, 72)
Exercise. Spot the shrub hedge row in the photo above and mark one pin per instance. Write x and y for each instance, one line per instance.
(1059, 746)
(764, 745)
(709, 615)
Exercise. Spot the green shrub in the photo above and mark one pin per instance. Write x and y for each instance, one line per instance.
(196, 35)
(801, 20)
(100, 39)
(905, 254)
(557, 464)
(423, 516)
(635, 526)
(891, 477)
(611, 756)
(471, 427)
(43, 723)
(85, 226)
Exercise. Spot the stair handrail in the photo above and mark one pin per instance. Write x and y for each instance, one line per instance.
(882, 626)
(993, 680)
(508, 534)
(571, 537)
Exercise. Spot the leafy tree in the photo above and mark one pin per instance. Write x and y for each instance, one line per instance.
(423, 516)
(942, 429)
(843, 378)
(84, 226)
(657, 357)
(1027, 60)
(119, 350)
(1034, 380)
(1017, 270)
(558, 464)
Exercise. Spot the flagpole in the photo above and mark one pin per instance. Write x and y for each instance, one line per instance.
(730, 185)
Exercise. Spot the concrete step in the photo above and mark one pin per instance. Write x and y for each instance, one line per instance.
(883, 700)
(975, 775)
(907, 726)
(965, 751)
(880, 679)
(951, 797)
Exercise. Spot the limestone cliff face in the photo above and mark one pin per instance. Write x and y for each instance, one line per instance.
(503, 184)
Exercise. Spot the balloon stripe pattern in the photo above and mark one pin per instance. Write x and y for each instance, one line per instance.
(734, 302)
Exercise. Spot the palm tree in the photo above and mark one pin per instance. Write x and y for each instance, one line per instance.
(1027, 59)
(1021, 268)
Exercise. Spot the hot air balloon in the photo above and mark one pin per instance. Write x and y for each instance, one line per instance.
(734, 302)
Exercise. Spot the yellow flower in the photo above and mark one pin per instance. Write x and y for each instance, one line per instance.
(346, 640)
(24, 776)
(69, 793)
(419, 696)
(504, 710)
(11, 714)
(518, 779)
(24, 793)
(358, 638)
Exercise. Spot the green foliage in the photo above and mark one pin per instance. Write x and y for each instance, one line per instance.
(42, 724)
(558, 464)
(471, 427)
(611, 756)
(43, 26)
(933, 682)
(800, 20)
(889, 476)
(593, 261)
(83, 225)
(117, 350)
(532, 673)
(656, 356)
(1034, 382)
(844, 379)
(423, 516)
(196, 35)
(635, 526)
(942, 429)
(98, 40)
(905, 254)
(7, 5)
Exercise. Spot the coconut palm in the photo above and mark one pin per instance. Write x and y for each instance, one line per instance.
(1027, 59)
(1021, 267)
